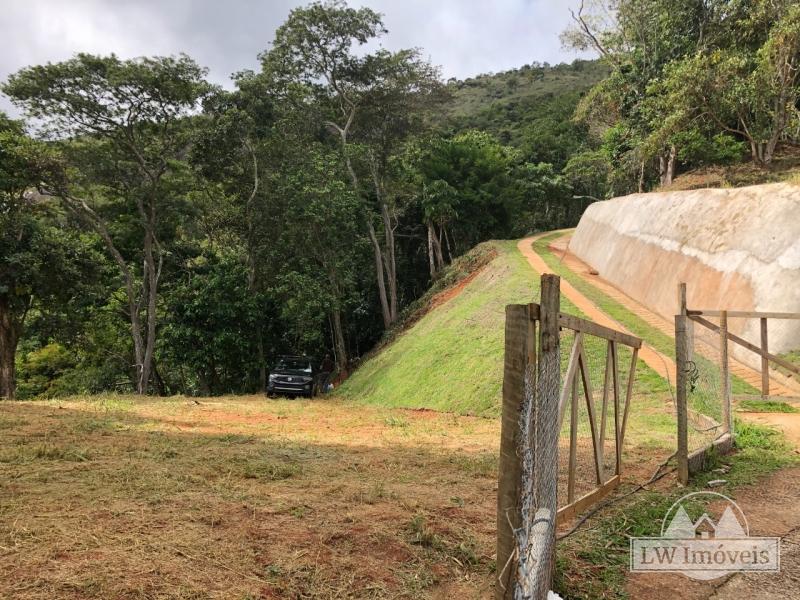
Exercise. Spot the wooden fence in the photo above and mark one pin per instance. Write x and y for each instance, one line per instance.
(534, 407)
(695, 461)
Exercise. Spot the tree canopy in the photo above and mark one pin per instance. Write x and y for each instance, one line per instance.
(163, 235)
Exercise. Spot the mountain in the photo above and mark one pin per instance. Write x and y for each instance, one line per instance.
(511, 103)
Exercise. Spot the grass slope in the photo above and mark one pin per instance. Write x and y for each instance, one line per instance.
(462, 336)
(451, 359)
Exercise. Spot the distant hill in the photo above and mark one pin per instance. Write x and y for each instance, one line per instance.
(503, 103)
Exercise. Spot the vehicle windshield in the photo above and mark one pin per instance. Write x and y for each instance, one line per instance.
(294, 364)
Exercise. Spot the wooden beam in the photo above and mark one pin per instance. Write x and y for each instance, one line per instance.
(617, 415)
(567, 321)
(744, 343)
(629, 395)
(571, 511)
(681, 407)
(764, 359)
(510, 468)
(578, 324)
(604, 405)
(725, 372)
(697, 460)
(681, 298)
(743, 314)
(689, 325)
(573, 441)
(587, 390)
(569, 378)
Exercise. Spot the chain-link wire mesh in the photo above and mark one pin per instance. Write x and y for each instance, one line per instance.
(704, 391)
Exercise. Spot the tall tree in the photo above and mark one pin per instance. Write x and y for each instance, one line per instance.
(39, 262)
(751, 85)
(129, 116)
(371, 104)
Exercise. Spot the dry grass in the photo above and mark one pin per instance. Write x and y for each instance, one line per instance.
(785, 167)
(243, 498)
(240, 497)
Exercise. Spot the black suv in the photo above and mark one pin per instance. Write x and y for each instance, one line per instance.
(294, 376)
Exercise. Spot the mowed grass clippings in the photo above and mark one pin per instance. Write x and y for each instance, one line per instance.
(243, 498)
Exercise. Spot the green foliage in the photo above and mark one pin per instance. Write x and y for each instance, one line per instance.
(589, 172)
(690, 83)
(206, 339)
(533, 113)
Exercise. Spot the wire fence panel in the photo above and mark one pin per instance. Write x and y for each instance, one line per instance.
(704, 391)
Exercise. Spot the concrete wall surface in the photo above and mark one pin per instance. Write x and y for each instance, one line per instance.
(736, 249)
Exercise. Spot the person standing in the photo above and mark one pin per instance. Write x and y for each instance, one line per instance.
(325, 370)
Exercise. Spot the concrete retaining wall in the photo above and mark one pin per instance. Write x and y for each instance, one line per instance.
(736, 249)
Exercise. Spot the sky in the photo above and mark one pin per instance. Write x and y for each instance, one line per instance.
(463, 37)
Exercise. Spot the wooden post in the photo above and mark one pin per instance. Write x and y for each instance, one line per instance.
(510, 467)
(545, 474)
(764, 360)
(682, 308)
(725, 372)
(533, 526)
(681, 408)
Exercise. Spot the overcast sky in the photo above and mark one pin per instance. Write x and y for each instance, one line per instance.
(464, 37)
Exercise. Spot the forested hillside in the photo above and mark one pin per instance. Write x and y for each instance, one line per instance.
(159, 234)
(511, 104)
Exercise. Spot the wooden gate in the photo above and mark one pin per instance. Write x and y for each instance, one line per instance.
(689, 324)
(534, 406)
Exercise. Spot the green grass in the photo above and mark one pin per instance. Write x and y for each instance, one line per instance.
(793, 357)
(465, 337)
(452, 358)
(766, 406)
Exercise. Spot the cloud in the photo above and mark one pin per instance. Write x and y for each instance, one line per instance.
(464, 37)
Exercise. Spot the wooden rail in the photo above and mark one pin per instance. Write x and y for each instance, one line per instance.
(742, 314)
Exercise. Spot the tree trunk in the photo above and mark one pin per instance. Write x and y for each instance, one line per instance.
(641, 178)
(376, 248)
(262, 363)
(9, 336)
(158, 382)
(389, 257)
(202, 383)
(437, 247)
(431, 264)
(666, 166)
(447, 241)
(340, 349)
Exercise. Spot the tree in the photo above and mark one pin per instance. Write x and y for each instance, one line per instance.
(371, 103)
(749, 91)
(320, 227)
(129, 120)
(40, 263)
(235, 153)
(209, 326)
(638, 39)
